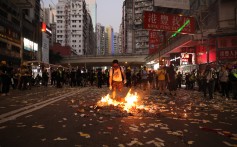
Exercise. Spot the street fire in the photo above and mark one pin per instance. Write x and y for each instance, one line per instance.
(127, 105)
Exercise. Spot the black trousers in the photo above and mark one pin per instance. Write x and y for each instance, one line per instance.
(6, 81)
(224, 89)
(209, 86)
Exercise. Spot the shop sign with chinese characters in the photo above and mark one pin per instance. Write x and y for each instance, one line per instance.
(168, 22)
(155, 39)
(230, 54)
(227, 48)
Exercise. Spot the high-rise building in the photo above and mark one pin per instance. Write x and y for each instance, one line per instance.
(116, 43)
(10, 33)
(49, 18)
(92, 6)
(110, 40)
(90, 37)
(100, 38)
(127, 27)
(72, 25)
(135, 38)
(106, 40)
(49, 15)
(30, 28)
(120, 39)
(141, 36)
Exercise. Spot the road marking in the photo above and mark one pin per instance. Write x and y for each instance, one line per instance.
(25, 110)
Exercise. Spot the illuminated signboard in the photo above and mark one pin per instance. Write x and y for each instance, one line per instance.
(46, 29)
(43, 27)
(35, 47)
(155, 38)
(187, 58)
(28, 45)
(168, 22)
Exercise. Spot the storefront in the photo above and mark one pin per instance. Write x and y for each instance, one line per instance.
(206, 53)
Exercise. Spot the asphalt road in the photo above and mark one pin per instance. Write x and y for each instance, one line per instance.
(70, 117)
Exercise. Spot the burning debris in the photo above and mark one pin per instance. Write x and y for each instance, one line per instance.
(129, 103)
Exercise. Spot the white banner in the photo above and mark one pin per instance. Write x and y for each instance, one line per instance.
(179, 4)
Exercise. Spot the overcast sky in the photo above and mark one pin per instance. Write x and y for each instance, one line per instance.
(109, 12)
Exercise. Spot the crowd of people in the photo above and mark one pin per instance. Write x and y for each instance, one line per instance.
(166, 79)
(209, 80)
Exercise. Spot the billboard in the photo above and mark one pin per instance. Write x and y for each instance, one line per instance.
(28, 45)
(177, 4)
(168, 22)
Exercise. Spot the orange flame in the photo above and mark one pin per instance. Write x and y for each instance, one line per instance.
(130, 101)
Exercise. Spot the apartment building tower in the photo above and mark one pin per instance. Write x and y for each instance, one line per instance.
(135, 38)
(71, 26)
(10, 33)
(110, 40)
(100, 38)
(92, 6)
(49, 18)
(116, 43)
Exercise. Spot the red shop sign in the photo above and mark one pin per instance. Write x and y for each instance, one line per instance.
(155, 38)
(168, 22)
(230, 54)
(227, 42)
